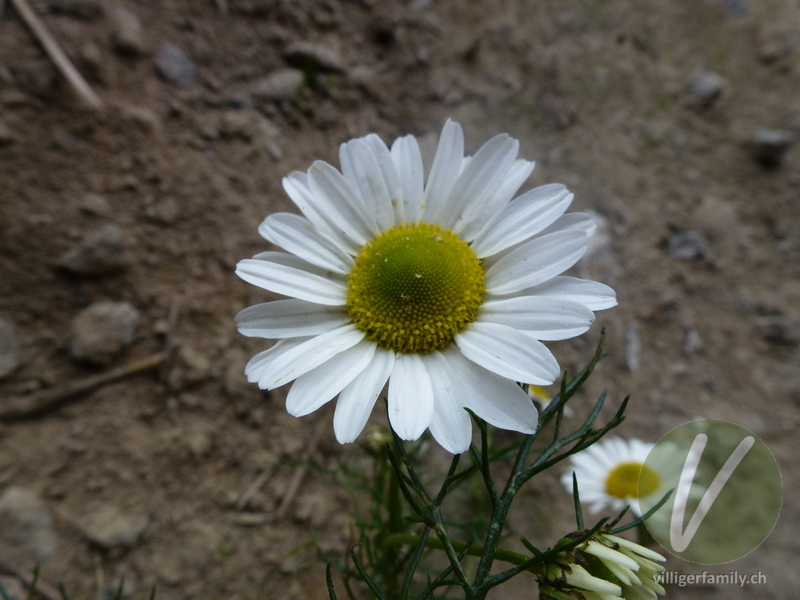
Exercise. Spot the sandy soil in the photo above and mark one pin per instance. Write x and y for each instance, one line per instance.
(647, 111)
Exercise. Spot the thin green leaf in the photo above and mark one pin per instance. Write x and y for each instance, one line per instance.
(569, 390)
(577, 499)
(365, 576)
(644, 517)
(329, 581)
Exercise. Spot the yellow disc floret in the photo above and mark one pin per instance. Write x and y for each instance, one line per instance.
(631, 480)
(414, 287)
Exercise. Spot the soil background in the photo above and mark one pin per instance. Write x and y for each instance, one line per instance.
(645, 110)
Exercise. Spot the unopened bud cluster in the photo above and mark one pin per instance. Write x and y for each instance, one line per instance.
(605, 567)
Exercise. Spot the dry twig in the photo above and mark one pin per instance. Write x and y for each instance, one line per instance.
(248, 494)
(297, 478)
(57, 55)
(28, 406)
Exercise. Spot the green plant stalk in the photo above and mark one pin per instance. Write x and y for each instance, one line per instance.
(401, 539)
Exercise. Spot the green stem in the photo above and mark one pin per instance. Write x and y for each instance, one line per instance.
(399, 539)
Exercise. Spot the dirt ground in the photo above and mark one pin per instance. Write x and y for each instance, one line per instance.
(646, 110)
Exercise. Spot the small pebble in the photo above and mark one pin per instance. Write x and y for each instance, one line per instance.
(110, 528)
(316, 57)
(633, 348)
(127, 33)
(95, 205)
(26, 523)
(101, 252)
(174, 66)
(692, 342)
(282, 85)
(778, 329)
(705, 89)
(768, 146)
(166, 211)
(688, 245)
(102, 330)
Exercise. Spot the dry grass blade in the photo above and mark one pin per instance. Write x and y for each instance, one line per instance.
(39, 402)
(57, 55)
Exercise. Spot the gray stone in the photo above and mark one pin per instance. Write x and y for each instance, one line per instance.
(164, 210)
(692, 342)
(87, 10)
(282, 85)
(688, 245)
(95, 205)
(778, 329)
(633, 348)
(9, 349)
(100, 253)
(705, 89)
(102, 330)
(26, 523)
(110, 528)
(247, 125)
(127, 33)
(768, 146)
(174, 65)
(314, 57)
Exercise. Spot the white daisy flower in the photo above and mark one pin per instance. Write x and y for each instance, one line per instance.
(442, 288)
(612, 475)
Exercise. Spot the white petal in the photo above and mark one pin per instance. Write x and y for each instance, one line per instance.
(516, 176)
(256, 365)
(479, 181)
(292, 280)
(366, 177)
(521, 219)
(410, 397)
(297, 235)
(408, 162)
(297, 186)
(544, 318)
(345, 207)
(310, 354)
(495, 399)
(357, 400)
(508, 352)
(322, 383)
(593, 295)
(390, 175)
(444, 172)
(451, 425)
(573, 222)
(536, 261)
(289, 318)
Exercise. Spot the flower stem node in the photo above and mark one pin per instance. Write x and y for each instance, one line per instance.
(605, 567)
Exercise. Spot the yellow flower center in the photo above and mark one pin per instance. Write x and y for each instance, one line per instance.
(631, 480)
(414, 287)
